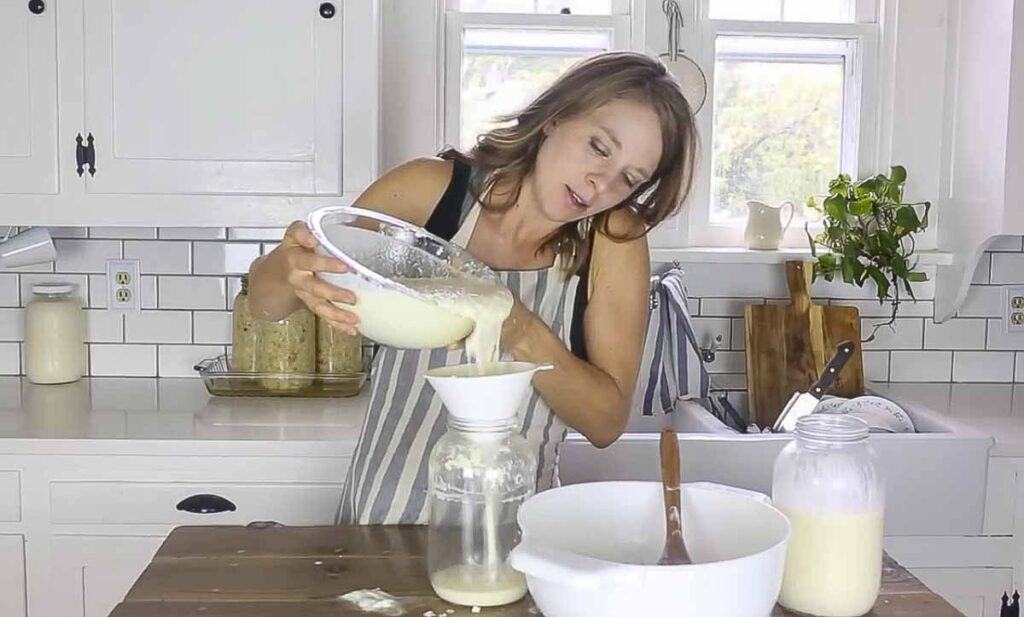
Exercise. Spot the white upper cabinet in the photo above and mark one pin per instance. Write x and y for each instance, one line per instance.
(189, 112)
(233, 96)
(28, 98)
(984, 140)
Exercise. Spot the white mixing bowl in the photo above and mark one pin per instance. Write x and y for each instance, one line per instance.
(589, 550)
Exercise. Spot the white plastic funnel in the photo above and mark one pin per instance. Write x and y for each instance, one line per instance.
(491, 396)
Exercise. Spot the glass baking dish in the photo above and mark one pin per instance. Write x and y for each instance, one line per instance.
(220, 380)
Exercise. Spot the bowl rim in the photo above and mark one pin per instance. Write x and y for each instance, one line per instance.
(314, 221)
(653, 568)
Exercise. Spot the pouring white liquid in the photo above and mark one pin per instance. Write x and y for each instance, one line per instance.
(460, 307)
(833, 563)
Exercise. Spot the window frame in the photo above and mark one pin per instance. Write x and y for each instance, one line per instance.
(694, 226)
(624, 25)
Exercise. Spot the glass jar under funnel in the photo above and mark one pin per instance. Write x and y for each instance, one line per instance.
(480, 473)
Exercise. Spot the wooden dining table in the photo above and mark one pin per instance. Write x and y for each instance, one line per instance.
(269, 570)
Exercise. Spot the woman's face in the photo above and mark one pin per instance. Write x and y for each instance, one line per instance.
(594, 161)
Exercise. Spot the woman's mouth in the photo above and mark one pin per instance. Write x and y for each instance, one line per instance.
(575, 200)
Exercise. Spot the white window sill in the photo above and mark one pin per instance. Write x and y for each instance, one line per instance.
(734, 255)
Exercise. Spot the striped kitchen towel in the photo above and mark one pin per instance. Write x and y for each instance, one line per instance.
(672, 368)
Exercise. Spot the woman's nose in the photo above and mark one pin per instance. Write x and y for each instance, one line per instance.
(598, 179)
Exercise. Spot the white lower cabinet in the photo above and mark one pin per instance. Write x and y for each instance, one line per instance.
(12, 575)
(93, 573)
(76, 531)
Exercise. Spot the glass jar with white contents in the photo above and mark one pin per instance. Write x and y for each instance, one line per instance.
(479, 475)
(827, 482)
(54, 335)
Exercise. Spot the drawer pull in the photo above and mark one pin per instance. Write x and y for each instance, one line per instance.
(206, 504)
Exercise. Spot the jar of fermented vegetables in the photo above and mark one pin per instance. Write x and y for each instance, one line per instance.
(337, 351)
(287, 347)
(243, 332)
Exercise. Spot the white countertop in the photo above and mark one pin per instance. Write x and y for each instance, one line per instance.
(156, 415)
(994, 409)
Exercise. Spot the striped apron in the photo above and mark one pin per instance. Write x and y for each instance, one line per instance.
(387, 480)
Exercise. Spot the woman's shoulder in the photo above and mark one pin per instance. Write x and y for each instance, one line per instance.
(620, 247)
(411, 190)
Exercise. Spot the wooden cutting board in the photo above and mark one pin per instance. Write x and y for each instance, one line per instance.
(788, 345)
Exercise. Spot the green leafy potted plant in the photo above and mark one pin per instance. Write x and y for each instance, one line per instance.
(868, 233)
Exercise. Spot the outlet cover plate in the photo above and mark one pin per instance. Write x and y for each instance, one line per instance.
(124, 285)
(1013, 308)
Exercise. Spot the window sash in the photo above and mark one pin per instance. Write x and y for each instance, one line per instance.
(694, 226)
(618, 26)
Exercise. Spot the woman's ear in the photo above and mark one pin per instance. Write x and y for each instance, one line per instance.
(549, 127)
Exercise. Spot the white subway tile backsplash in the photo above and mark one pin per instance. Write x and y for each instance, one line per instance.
(267, 247)
(739, 334)
(1018, 367)
(998, 338)
(982, 301)
(123, 233)
(707, 328)
(256, 233)
(86, 255)
(902, 334)
(211, 327)
(123, 360)
(725, 307)
(191, 292)
(10, 359)
(729, 362)
(12, 324)
(1007, 268)
(160, 257)
(46, 267)
(920, 365)
(10, 292)
(729, 381)
(81, 281)
(876, 365)
(744, 280)
(955, 334)
(982, 270)
(234, 286)
(1007, 243)
(192, 233)
(180, 360)
(103, 326)
(158, 327)
(98, 291)
(983, 366)
(223, 258)
(68, 232)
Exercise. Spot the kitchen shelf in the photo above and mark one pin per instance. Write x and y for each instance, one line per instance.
(718, 254)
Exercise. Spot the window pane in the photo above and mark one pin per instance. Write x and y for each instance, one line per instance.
(778, 121)
(839, 11)
(575, 7)
(503, 70)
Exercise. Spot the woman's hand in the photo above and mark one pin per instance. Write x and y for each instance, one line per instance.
(291, 269)
(513, 331)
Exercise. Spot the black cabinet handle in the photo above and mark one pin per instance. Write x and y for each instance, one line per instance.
(80, 155)
(327, 10)
(90, 155)
(36, 6)
(206, 504)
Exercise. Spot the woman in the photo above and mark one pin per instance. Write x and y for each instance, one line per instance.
(558, 201)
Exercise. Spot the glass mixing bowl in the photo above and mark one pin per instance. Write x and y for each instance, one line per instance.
(383, 253)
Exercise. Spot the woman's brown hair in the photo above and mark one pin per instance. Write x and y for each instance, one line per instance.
(507, 154)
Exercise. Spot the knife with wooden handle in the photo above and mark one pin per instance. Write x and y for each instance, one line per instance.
(804, 403)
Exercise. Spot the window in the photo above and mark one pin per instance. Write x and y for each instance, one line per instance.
(789, 106)
(499, 54)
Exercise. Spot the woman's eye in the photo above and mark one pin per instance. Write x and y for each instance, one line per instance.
(598, 148)
(630, 182)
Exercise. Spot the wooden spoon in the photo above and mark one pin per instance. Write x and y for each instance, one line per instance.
(675, 552)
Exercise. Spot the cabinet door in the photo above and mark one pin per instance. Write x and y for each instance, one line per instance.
(975, 592)
(93, 573)
(12, 581)
(28, 103)
(227, 97)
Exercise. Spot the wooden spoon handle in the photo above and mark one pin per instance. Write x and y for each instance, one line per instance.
(670, 468)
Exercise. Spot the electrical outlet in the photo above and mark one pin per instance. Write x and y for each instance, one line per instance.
(123, 285)
(1013, 308)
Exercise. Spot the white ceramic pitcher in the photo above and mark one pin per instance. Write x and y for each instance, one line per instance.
(764, 225)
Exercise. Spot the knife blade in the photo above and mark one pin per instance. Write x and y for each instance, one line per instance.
(804, 403)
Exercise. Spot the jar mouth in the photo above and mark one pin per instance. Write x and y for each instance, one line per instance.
(832, 428)
(500, 425)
